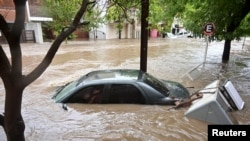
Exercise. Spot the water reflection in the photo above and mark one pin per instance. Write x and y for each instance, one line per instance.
(168, 59)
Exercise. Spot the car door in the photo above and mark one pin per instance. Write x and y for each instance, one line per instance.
(124, 94)
(89, 94)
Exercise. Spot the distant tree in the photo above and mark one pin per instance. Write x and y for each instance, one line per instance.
(231, 19)
(115, 14)
(62, 12)
(160, 16)
(157, 15)
(11, 68)
(119, 12)
(94, 17)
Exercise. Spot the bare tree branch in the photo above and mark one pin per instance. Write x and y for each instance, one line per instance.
(56, 44)
(14, 38)
(124, 9)
(4, 26)
(18, 25)
(4, 62)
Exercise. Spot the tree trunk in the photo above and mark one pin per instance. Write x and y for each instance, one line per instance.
(226, 52)
(120, 34)
(235, 23)
(13, 121)
(11, 73)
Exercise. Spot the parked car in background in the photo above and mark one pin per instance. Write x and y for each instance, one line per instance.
(184, 34)
(121, 86)
(171, 35)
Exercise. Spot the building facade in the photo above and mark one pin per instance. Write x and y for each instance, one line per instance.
(35, 17)
(110, 31)
(33, 28)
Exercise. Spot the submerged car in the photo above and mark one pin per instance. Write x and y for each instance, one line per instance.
(121, 86)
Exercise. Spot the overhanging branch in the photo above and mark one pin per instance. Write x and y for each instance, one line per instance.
(56, 44)
(4, 26)
(4, 62)
(19, 19)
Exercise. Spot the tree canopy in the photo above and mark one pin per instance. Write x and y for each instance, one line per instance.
(63, 11)
(231, 18)
(233, 14)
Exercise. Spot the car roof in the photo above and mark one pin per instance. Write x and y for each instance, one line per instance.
(112, 75)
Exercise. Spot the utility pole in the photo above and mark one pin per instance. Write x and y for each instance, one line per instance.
(144, 34)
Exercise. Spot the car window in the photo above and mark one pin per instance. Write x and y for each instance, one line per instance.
(125, 93)
(90, 94)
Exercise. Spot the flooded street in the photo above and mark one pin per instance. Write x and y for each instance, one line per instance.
(169, 59)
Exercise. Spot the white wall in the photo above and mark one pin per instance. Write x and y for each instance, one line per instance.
(36, 26)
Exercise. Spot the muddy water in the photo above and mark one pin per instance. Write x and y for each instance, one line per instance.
(168, 59)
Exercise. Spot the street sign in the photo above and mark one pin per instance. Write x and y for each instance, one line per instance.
(209, 29)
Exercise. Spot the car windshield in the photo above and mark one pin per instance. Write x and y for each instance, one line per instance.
(155, 83)
(64, 90)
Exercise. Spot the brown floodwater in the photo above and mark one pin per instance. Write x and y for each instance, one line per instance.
(169, 59)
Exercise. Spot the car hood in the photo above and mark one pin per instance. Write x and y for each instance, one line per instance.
(176, 90)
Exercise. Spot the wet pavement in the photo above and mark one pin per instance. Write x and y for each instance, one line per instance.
(171, 59)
